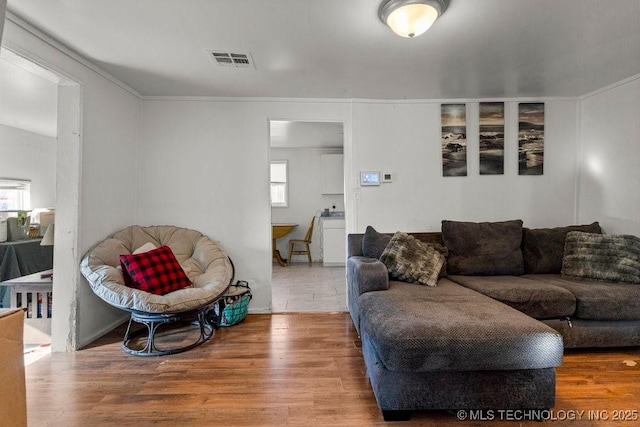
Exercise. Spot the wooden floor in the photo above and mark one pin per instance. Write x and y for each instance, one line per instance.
(286, 369)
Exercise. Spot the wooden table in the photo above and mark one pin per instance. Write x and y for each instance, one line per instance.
(279, 230)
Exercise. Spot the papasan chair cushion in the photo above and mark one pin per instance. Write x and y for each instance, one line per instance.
(205, 264)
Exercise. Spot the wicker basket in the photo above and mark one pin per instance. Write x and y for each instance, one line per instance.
(236, 303)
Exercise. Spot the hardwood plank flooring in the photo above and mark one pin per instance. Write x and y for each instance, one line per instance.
(287, 369)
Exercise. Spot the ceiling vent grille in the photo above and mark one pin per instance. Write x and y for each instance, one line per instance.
(230, 59)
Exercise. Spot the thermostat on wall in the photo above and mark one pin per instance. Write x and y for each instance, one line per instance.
(369, 178)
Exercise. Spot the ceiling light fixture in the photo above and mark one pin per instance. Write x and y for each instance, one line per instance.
(410, 18)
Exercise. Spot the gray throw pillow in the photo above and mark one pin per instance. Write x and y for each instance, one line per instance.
(602, 257)
(410, 260)
(483, 248)
(373, 243)
(543, 248)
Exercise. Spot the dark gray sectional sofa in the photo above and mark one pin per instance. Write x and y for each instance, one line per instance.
(490, 340)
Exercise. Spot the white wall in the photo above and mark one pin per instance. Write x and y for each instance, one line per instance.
(3, 8)
(107, 139)
(30, 156)
(305, 197)
(404, 139)
(204, 164)
(610, 158)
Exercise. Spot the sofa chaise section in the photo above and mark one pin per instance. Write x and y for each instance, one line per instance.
(448, 347)
(452, 328)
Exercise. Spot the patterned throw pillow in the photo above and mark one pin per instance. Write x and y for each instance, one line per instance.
(144, 248)
(156, 271)
(543, 248)
(410, 260)
(602, 257)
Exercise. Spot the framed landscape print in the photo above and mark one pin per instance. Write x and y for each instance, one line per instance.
(491, 138)
(531, 138)
(454, 139)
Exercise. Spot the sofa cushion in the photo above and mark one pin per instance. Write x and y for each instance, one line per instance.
(156, 271)
(543, 248)
(452, 328)
(485, 248)
(608, 258)
(598, 300)
(373, 243)
(534, 298)
(410, 260)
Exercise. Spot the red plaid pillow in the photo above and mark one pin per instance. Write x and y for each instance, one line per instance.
(156, 271)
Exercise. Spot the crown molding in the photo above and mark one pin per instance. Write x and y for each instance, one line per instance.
(610, 87)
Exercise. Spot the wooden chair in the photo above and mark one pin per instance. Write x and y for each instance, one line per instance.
(306, 242)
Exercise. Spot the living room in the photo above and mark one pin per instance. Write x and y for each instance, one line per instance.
(142, 157)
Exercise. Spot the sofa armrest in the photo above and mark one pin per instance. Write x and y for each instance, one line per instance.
(366, 275)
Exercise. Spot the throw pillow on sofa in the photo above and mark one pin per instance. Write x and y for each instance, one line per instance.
(156, 271)
(543, 248)
(373, 243)
(483, 248)
(410, 260)
(602, 257)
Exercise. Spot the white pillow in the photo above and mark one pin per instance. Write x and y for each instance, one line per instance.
(145, 248)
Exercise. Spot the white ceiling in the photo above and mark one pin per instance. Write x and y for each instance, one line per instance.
(340, 49)
(28, 96)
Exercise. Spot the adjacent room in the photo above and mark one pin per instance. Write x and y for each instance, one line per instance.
(320, 212)
(28, 131)
(307, 216)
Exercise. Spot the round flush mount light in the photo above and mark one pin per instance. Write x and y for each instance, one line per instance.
(410, 18)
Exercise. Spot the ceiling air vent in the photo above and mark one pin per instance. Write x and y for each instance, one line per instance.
(229, 59)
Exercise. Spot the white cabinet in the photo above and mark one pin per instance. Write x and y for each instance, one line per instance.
(332, 173)
(334, 252)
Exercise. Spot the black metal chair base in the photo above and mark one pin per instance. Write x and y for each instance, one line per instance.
(203, 319)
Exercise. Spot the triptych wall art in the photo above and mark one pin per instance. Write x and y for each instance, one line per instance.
(530, 139)
(454, 139)
(491, 138)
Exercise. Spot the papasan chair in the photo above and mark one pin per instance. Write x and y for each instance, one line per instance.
(208, 269)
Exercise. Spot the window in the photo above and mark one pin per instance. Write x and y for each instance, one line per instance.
(15, 194)
(279, 190)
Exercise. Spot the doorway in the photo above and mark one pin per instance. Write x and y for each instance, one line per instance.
(298, 153)
(66, 159)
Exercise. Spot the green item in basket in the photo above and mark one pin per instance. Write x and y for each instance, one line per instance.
(236, 301)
